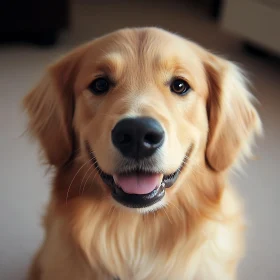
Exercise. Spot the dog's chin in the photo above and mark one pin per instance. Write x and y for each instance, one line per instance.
(143, 190)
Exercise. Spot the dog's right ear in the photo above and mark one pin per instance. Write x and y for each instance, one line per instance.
(50, 107)
(233, 119)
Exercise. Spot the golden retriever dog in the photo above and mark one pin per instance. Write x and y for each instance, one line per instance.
(142, 128)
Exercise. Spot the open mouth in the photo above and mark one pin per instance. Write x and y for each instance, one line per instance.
(138, 189)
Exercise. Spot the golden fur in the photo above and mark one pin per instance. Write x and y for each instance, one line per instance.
(196, 232)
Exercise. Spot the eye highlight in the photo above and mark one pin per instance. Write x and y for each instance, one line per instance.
(180, 87)
(99, 86)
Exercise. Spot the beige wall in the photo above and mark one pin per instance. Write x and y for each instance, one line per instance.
(255, 20)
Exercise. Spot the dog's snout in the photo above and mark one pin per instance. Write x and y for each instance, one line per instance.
(138, 137)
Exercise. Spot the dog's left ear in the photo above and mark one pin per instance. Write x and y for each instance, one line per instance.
(50, 107)
(233, 120)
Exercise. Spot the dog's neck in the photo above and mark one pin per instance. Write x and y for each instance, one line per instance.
(89, 216)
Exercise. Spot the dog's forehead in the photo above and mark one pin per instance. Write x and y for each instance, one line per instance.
(143, 46)
(142, 54)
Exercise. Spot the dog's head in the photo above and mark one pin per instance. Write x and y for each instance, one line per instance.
(144, 107)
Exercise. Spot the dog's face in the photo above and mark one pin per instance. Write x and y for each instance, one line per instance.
(140, 112)
(145, 107)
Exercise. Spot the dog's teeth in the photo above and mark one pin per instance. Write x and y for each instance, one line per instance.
(163, 184)
(115, 179)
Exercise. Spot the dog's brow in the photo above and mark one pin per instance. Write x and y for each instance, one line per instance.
(111, 63)
(172, 64)
(176, 67)
(172, 68)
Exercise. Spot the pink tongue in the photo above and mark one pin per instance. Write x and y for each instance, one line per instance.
(138, 183)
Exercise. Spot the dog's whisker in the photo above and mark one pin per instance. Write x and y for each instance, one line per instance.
(68, 190)
(89, 176)
(163, 208)
(82, 181)
(84, 186)
(94, 169)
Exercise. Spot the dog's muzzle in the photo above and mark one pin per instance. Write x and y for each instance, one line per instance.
(138, 182)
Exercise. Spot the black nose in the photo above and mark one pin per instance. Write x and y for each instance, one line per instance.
(138, 137)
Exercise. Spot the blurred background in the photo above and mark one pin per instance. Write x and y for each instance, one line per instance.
(33, 33)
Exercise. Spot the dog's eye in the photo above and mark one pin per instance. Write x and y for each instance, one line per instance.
(180, 87)
(99, 86)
